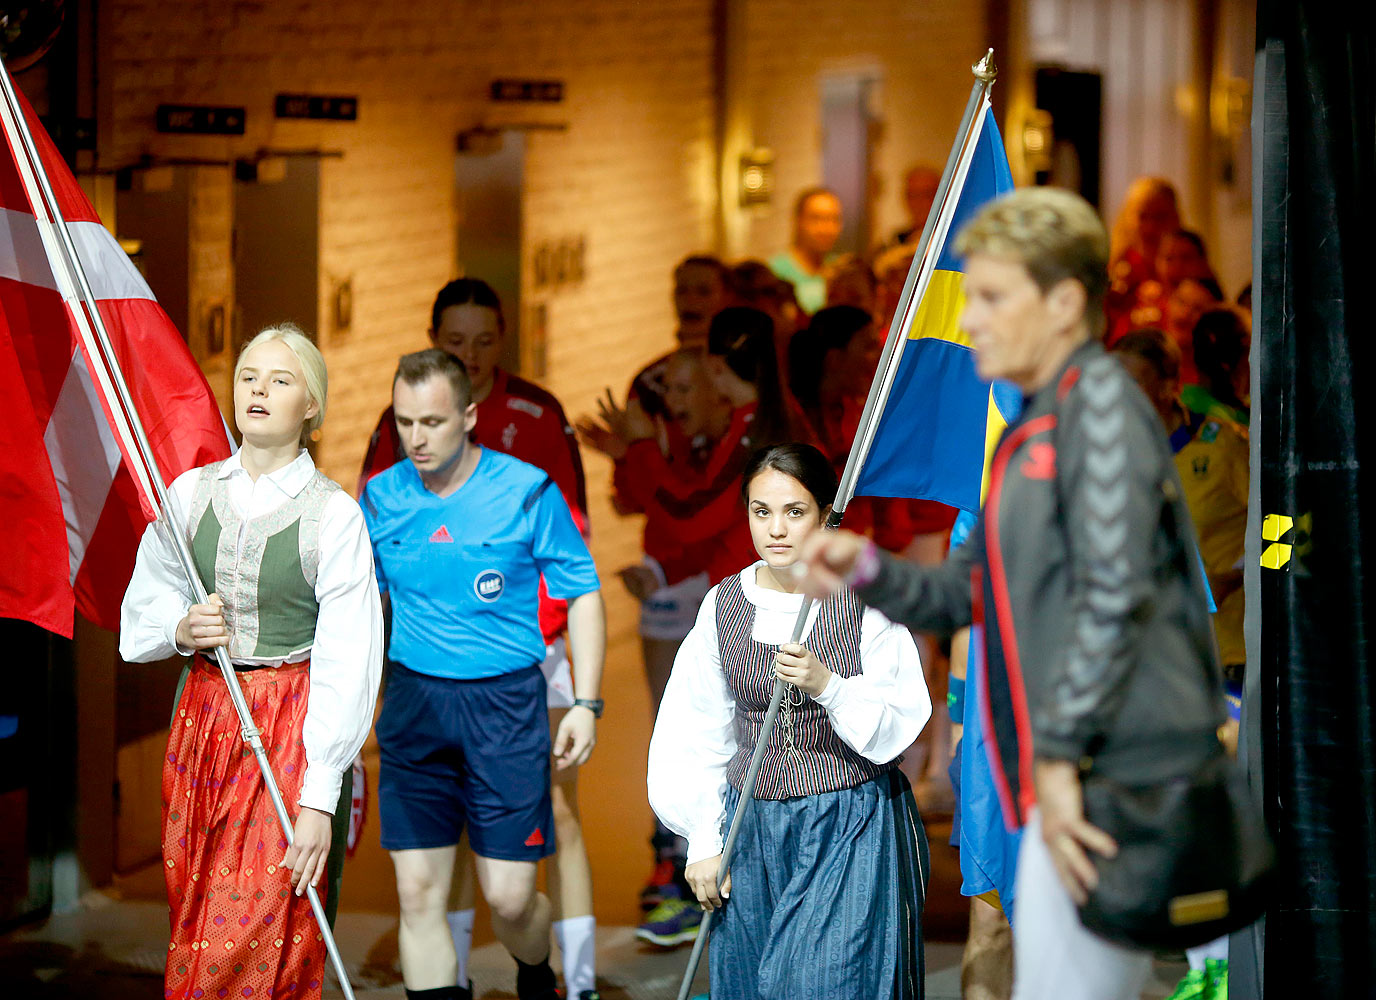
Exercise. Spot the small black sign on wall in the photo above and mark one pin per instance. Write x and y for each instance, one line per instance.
(319, 106)
(200, 119)
(538, 91)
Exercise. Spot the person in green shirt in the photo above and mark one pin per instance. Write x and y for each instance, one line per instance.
(816, 228)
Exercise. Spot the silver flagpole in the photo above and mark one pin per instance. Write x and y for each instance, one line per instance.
(919, 277)
(66, 264)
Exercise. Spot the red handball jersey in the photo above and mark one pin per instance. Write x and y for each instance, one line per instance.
(695, 519)
(524, 421)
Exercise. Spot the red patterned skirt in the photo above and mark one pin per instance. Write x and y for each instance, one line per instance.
(238, 929)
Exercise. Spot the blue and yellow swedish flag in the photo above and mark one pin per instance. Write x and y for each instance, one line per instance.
(940, 420)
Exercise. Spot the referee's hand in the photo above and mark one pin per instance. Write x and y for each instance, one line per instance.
(575, 739)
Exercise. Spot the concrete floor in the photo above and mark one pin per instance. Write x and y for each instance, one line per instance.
(114, 950)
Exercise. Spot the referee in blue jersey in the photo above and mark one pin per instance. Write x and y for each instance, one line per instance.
(461, 537)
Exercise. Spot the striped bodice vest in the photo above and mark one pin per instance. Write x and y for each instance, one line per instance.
(820, 761)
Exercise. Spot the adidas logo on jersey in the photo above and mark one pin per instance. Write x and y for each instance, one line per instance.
(442, 535)
(536, 839)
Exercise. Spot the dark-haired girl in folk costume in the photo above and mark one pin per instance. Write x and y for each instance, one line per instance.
(826, 889)
(285, 556)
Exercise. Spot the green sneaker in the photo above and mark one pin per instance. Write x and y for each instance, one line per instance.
(1195, 986)
(1216, 969)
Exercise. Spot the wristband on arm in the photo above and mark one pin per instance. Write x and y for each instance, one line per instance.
(955, 699)
(866, 568)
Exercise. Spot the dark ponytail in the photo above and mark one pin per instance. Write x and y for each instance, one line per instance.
(798, 461)
(744, 339)
(466, 292)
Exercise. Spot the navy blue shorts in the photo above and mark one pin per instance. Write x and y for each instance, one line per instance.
(466, 754)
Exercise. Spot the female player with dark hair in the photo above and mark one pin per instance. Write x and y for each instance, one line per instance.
(826, 888)
(744, 367)
(1221, 338)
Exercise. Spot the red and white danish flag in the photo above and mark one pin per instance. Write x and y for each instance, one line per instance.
(71, 512)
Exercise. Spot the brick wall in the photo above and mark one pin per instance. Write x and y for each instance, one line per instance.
(629, 174)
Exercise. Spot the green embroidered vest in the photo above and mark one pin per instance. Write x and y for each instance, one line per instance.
(267, 580)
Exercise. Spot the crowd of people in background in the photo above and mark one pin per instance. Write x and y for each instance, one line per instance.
(773, 358)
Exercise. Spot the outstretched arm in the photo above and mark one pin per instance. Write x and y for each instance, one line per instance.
(930, 598)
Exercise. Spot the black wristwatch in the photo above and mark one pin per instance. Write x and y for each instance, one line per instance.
(593, 705)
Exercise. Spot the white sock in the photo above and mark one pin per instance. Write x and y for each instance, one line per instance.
(461, 928)
(1216, 949)
(577, 937)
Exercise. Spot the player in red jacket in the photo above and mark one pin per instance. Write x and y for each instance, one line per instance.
(525, 421)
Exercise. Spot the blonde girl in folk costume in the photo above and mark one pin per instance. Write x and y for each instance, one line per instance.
(285, 557)
(826, 889)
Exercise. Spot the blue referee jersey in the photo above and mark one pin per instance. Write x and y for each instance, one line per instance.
(463, 571)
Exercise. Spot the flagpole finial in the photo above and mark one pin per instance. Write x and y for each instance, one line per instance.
(985, 69)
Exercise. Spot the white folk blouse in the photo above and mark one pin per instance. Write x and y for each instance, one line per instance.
(878, 712)
(346, 658)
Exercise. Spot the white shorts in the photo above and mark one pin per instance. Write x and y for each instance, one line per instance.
(1054, 955)
(670, 611)
(558, 675)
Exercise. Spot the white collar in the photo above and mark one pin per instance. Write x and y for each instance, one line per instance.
(291, 479)
(764, 598)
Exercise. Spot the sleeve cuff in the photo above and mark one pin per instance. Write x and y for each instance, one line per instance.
(320, 789)
(833, 693)
(172, 611)
(703, 843)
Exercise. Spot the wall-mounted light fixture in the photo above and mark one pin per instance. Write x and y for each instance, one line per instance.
(1230, 105)
(1037, 137)
(1230, 108)
(343, 305)
(757, 177)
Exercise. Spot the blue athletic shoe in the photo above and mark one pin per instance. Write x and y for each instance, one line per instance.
(672, 923)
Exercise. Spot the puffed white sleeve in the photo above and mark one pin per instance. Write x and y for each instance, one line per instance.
(693, 741)
(881, 710)
(346, 659)
(158, 595)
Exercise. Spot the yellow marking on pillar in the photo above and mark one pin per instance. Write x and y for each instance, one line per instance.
(1274, 527)
(1275, 556)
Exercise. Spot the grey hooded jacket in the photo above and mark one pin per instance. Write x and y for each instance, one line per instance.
(1084, 574)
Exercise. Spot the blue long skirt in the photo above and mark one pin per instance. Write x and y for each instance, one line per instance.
(826, 898)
